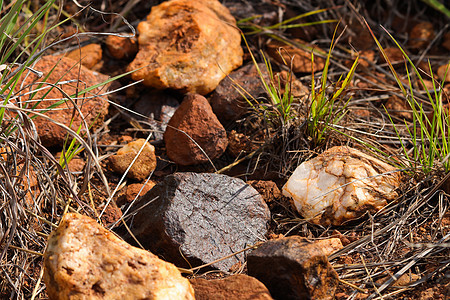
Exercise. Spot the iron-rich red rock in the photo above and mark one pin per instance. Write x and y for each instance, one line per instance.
(194, 127)
(293, 268)
(239, 286)
(85, 261)
(267, 188)
(202, 216)
(187, 45)
(228, 102)
(93, 109)
(121, 47)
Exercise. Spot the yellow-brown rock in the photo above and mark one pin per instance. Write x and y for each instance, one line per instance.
(187, 45)
(144, 164)
(341, 184)
(85, 261)
(89, 55)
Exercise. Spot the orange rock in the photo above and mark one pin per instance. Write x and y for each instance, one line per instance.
(301, 59)
(421, 35)
(85, 261)
(187, 45)
(121, 47)
(89, 55)
(441, 72)
(144, 165)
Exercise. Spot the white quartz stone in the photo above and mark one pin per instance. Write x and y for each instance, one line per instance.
(341, 184)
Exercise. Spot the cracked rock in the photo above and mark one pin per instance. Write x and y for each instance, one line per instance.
(204, 217)
(341, 184)
(85, 261)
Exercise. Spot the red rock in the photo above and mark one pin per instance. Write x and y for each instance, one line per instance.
(94, 109)
(144, 165)
(239, 144)
(442, 71)
(394, 55)
(421, 35)
(187, 45)
(133, 190)
(239, 286)
(121, 47)
(293, 268)
(301, 59)
(330, 245)
(446, 41)
(398, 107)
(89, 55)
(85, 261)
(197, 120)
(268, 189)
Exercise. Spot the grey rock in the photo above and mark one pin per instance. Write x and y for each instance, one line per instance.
(204, 216)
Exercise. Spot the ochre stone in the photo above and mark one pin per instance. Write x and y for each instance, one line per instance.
(85, 261)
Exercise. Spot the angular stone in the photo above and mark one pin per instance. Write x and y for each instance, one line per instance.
(121, 47)
(158, 107)
(239, 286)
(293, 268)
(187, 45)
(133, 190)
(193, 128)
(94, 109)
(341, 184)
(144, 165)
(267, 189)
(89, 55)
(85, 261)
(301, 59)
(227, 100)
(203, 216)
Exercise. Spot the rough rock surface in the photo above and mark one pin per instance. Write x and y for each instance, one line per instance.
(239, 286)
(133, 190)
(89, 55)
(121, 47)
(198, 122)
(158, 107)
(187, 45)
(227, 101)
(144, 165)
(330, 245)
(85, 261)
(341, 184)
(301, 59)
(293, 268)
(94, 109)
(267, 189)
(203, 216)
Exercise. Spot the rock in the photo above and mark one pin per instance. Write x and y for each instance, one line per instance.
(301, 59)
(267, 189)
(227, 100)
(341, 184)
(398, 107)
(293, 268)
(239, 286)
(239, 144)
(296, 87)
(421, 35)
(94, 109)
(85, 261)
(158, 107)
(121, 47)
(111, 214)
(144, 165)
(446, 41)
(188, 46)
(134, 189)
(89, 55)
(329, 246)
(194, 127)
(395, 55)
(204, 216)
(442, 71)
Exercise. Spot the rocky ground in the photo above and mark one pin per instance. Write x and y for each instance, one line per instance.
(186, 179)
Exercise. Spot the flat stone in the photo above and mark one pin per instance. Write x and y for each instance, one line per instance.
(227, 100)
(341, 184)
(193, 128)
(144, 165)
(85, 261)
(239, 286)
(203, 216)
(187, 45)
(293, 268)
(93, 108)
